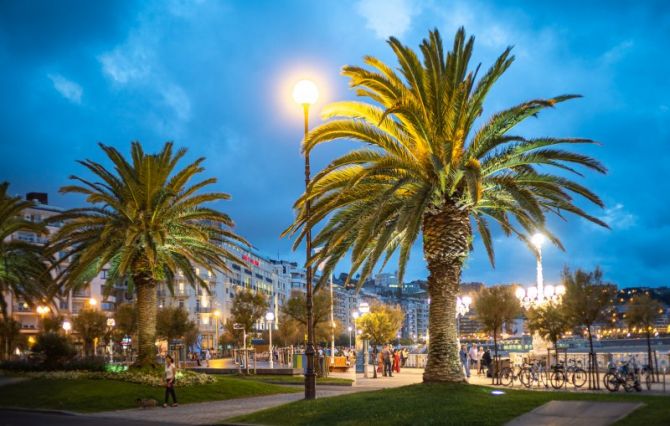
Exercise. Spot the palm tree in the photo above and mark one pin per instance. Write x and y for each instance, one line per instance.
(24, 269)
(146, 221)
(426, 170)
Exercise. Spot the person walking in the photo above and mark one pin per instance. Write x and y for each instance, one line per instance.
(208, 356)
(480, 361)
(387, 356)
(486, 360)
(170, 374)
(396, 360)
(474, 357)
(463, 354)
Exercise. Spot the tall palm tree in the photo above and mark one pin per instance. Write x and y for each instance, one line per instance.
(146, 221)
(427, 170)
(24, 269)
(643, 312)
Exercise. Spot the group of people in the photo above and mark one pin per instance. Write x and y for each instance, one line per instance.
(390, 360)
(201, 359)
(474, 357)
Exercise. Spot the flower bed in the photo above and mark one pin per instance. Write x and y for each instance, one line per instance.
(184, 378)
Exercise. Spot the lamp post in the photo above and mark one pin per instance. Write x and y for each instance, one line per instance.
(537, 240)
(270, 316)
(349, 328)
(217, 315)
(462, 308)
(111, 323)
(305, 93)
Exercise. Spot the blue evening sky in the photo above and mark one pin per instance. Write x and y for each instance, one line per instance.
(215, 76)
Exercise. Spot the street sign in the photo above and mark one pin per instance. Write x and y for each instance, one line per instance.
(238, 326)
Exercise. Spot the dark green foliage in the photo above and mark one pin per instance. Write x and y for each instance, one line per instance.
(54, 349)
(173, 323)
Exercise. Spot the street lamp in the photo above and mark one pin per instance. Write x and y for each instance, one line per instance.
(305, 93)
(270, 316)
(217, 315)
(111, 323)
(92, 302)
(462, 308)
(67, 326)
(538, 239)
(349, 328)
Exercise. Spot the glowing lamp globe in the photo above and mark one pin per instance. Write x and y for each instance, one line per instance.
(532, 292)
(67, 325)
(467, 300)
(270, 316)
(305, 92)
(538, 239)
(560, 290)
(520, 293)
(549, 290)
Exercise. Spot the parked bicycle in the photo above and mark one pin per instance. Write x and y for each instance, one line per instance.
(508, 375)
(626, 376)
(534, 373)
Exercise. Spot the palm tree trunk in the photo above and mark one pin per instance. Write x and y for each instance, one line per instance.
(649, 357)
(147, 300)
(446, 240)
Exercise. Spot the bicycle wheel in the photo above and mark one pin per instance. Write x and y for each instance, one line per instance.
(611, 382)
(505, 376)
(579, 377)
(526, 377)
(557, 379)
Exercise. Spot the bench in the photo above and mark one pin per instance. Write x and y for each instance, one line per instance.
(341, 364)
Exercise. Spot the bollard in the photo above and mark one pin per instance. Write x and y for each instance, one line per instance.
(665, 370)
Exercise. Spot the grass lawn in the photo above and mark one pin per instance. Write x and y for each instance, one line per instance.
(297, 380)
(100, 395)
(425, 404)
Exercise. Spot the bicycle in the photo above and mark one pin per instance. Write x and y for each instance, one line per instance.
(625, 376)
(558, 376)
(575, 373)
(534, 373)
(508, 375)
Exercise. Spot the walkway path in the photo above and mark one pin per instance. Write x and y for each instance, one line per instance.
(215, 411)
(576, 413)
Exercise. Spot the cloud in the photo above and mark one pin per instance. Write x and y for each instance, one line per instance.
(388, 17)
(67, 88)
(617, 52)
(618, 218)
(176, 98)
(125, 64)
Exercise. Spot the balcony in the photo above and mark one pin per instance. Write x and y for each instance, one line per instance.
(82, 293)
(182, 292)
(203, 310)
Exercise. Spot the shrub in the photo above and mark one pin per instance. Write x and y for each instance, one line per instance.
(184, 378)
(55, 349)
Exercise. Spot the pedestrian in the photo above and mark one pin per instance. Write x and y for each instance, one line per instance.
(396, 361)
(208, 356)
(474, 356)
(480, 360)
(463, 354)
(405, 356)
(170, 374)
(388, 366)
(486, 360)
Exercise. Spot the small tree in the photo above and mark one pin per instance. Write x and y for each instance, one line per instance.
(496, 307)
(289, 331)
(295, 307)
(90, 324)
(247, 308)
(125, 319)
(642, 312)
(380, 325)
(549, 321)
(55, 349)
(173, 323)
(587, 300)
(52, 324)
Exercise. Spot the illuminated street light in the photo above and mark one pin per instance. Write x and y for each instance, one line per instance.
(270, 316)
(306, 93)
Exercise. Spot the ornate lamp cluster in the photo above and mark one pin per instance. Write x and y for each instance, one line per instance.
(539, 294)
